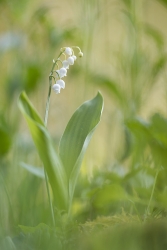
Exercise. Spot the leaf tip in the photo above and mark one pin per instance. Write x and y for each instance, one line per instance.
(100, 97)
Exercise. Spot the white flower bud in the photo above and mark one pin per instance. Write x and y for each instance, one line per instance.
(62, 72)
(68, 51)
(80, 54)
(61, 83)
(65, 64)
(56, 88)
(74, 57)
(70, 60)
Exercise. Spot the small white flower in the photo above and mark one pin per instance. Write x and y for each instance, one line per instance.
(80, 54)
(65, 64)
(62, 72)
(68, 51)
(74, 57)
(70, 60)
(61, 83)
(56, 88)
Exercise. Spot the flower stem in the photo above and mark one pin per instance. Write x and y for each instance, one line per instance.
(152, 193)
(45, 122)
(76, 47)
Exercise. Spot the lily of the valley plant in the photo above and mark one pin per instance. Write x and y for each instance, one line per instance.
(62, 169)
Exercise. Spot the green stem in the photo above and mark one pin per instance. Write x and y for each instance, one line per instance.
(45, 122)
(76, 47)
(48, 102)
(51, 73)
(152, 193)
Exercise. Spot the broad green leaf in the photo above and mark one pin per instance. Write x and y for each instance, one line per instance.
(158, 129)
(139, 127)
(154, 135)
(151, 133)
(76, 137)
(34, 170)
(108, 194)
(43, 143)
(158, 142)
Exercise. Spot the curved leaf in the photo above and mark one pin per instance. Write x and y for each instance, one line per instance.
(76, 137)
(43, 143)
(34, 170)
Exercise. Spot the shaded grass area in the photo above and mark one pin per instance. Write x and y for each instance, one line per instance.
(117, 232)
(125, 233)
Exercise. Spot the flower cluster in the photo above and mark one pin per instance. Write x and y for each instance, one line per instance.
(62, 72)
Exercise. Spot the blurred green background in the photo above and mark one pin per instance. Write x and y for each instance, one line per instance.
(124, 44)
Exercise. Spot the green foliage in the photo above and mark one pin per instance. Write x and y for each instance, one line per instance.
(7, 244)
(44, 145)
(109, 194)
(153, 134)
(76, 138)
(34, 170)
(39, 237)
(122, 185)
(32, 76)
(74, 142)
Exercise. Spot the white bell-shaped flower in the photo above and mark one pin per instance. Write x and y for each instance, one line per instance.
(62, 72)
(68, 51)
(65, 64)
(56, 88)
(70, 60)
(61, 83)
(74, 57)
